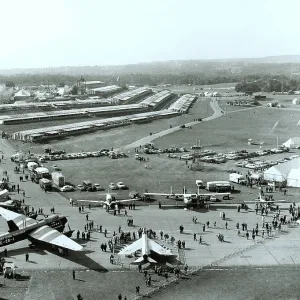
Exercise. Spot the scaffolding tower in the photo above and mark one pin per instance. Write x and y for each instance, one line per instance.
(196, 164)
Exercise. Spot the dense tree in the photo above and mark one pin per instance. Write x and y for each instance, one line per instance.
(74, 90)
(9, 84)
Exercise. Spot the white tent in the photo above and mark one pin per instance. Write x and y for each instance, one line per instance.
(288, 171)
(292, 143)
(273, 174)
(296, 101)
(293, 178)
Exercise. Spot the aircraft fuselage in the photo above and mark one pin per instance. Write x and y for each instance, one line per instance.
(14, 236)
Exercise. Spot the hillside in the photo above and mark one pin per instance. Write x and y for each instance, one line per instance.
(271, 64)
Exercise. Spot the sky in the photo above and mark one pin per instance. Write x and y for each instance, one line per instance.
(40, 33)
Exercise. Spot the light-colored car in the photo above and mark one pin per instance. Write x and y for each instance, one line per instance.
(239, 164)
(81, 187)
(9, 270)
(67, 188)
(187, 156)
(121, 185)
(113, 186)
(56, 168)
(98, 187)
(251, 166)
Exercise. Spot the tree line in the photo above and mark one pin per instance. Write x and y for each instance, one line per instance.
(245, 82)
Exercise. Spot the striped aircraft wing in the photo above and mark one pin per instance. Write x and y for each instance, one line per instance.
(14, 220)
(51, 236)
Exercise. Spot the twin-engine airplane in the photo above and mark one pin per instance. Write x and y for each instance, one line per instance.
(110, 201)
(146, 245)
(47, 231)
(187, 198)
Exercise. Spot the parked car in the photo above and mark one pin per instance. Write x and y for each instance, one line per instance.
(56, 168)
(9, 269)
(121, 185)
(67, 188)
(187, 157)
(81, 187)
(98, 187)
(113, 186)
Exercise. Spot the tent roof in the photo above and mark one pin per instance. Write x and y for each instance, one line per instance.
(293, 140)
(285, 168)
(22, 93)
(294, 174)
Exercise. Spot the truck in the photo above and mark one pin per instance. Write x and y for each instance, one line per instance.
(237, 178)
(218, 186)
(45, 184)
(58, 179)
(32, 165)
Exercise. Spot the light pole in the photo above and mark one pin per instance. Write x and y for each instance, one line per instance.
(277, 142)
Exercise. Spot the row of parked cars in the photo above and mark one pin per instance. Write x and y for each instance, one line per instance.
(239, 154)
(262, 164)
(93, 187)
(79, 155)
(167, 150)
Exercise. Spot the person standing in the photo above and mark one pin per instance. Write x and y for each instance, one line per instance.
(27, 256)
(73, 272)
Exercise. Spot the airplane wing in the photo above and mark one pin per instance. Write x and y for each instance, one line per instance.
(14, 220)
(160, 194)
(127, 200)
(158, 248)
(51, 236)
(215, 194)
(91, 201)
(137, 245)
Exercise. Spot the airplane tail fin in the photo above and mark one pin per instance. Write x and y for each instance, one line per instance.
(148, 259)
(12, 226)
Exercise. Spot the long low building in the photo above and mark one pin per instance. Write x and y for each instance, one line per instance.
(183, 104)
(72, 113)
(132, 95)
(106, 90)
(45, 133)
(54, 104)
(157, 100)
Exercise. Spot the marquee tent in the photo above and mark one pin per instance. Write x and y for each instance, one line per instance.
(288, 171)
(292, 143)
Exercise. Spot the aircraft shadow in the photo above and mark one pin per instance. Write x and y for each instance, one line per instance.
(78, 257)
(25, 250)
(205, 244)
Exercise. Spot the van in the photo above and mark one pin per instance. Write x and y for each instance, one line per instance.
(9, 270)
